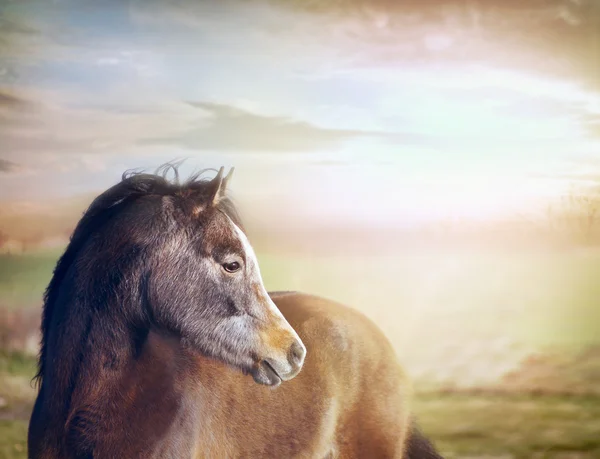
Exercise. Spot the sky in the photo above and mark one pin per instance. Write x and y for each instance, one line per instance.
(353, 111)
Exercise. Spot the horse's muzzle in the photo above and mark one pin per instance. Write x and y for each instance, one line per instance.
(272, 371)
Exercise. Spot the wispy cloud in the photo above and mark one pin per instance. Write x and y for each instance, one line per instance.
(48, 126)
(550, 37)
(591, 122)
(12, 27)
(594, 128)
(231, 128)
(12, 101)
(18, 38)
(7, 167)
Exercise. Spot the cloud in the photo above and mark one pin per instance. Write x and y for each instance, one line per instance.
(331, 162)
(108, 61)
(12, 101)
(11, 27)
(594, 128)
(591, 122)
(8, 167)
(14, 27)
(20, 42)
(227, 128)
(548, 37)
(14, 111)
(49, 125)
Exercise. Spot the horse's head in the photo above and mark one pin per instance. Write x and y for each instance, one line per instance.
(203, 282)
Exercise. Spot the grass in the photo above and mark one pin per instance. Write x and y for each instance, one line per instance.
(17, 364)
(16, 399)
(13, 439)
(515, 426)
(24, 277)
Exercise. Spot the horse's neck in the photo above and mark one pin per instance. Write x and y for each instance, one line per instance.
(118, 389)
(86, 355)
(152, 400)
(122, 362)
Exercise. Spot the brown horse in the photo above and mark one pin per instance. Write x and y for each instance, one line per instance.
(157, 313)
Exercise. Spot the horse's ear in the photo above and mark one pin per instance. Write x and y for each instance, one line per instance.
(215, 189)
(220, 186)
(226, 181)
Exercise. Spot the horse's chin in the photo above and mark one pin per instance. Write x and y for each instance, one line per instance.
(264, 374)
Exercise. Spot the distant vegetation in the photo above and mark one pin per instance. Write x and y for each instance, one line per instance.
(27, 226)
(571, 221)
(577, 218)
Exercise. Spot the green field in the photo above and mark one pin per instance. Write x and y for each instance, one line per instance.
(24, 277)
(514, 426)
(454, 318)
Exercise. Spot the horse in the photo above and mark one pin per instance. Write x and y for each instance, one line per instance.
(159, 340)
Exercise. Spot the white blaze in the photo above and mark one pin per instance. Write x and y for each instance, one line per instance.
(252, 263)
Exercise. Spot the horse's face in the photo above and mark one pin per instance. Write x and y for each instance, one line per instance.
(207, 287)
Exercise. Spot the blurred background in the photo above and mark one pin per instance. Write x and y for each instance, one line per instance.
(434, 164)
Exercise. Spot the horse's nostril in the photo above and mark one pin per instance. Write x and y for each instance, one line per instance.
(297, 353)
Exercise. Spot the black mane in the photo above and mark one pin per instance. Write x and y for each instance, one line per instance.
(132, 186)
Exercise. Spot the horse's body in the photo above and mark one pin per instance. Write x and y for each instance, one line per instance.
(130, 388)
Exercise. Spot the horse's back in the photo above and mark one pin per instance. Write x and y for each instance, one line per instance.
(349, 400)
(368, 382)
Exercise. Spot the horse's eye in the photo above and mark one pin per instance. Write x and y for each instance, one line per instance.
(231, 267)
